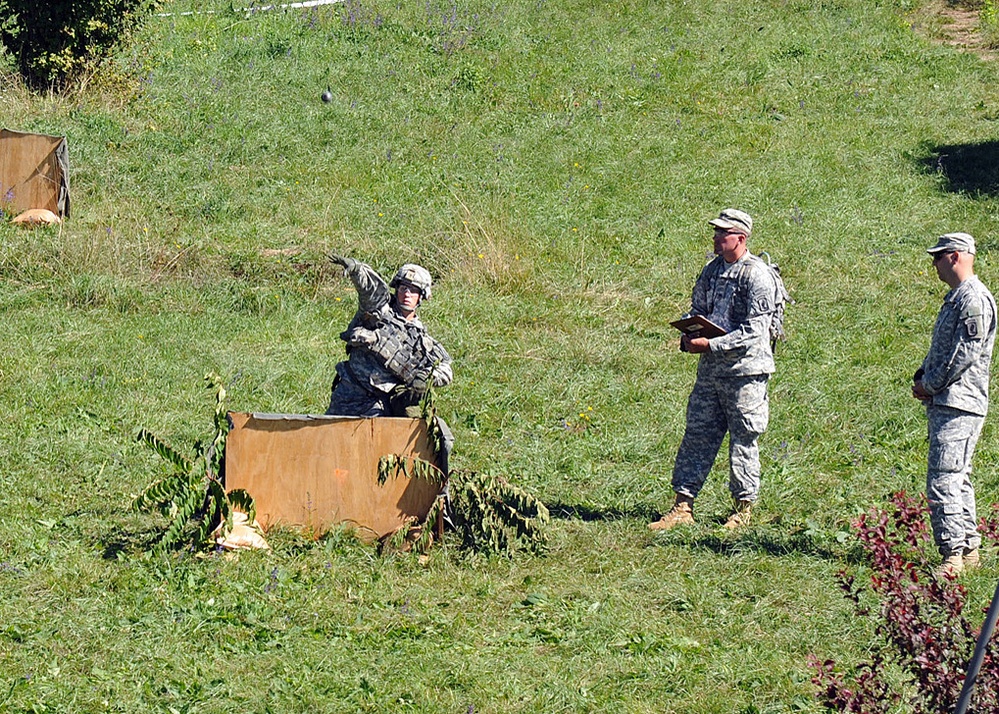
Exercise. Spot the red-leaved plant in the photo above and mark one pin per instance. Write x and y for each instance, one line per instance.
(921, 626)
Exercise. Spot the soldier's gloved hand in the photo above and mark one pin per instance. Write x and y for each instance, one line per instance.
(346, 263)
(420, 381)
(360, 337)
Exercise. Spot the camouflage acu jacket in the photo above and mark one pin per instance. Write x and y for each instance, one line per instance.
(740, 298)
(956, 369)
(400, 353)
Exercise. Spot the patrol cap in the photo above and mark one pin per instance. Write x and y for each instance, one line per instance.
(415, 276)
(953, 243)
(734, 219)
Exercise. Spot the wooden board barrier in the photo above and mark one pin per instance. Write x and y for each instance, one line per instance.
(34, 172)
(313, 472)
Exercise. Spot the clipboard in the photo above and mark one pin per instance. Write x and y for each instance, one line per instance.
(698, 326)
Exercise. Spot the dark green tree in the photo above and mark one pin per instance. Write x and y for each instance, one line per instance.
(56, 41)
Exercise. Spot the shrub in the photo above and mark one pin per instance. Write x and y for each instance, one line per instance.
(490, 514)
(989, 15)
(54, 42)
(194, 492)
(921, 630)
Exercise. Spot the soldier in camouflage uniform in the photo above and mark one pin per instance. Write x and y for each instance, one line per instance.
(953, 383)
(391, 359)
(736, 291)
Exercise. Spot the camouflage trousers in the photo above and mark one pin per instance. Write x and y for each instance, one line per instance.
(719, 405)
(953, 436)
(348, 398)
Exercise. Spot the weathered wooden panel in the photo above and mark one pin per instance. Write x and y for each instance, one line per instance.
(34, 172)
(313, 472)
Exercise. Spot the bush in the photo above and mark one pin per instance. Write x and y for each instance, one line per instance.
(989, 14)
(57, 41)
(922, 630)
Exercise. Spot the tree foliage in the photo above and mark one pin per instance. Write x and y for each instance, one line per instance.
(56, 41)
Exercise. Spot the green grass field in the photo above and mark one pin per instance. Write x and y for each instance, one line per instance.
(554, 164)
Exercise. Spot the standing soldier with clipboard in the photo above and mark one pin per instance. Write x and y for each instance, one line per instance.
(738, 293)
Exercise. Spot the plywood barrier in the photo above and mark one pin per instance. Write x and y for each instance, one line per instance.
(313, 472)
(34, 172)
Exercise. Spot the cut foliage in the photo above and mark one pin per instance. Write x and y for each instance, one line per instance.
(490, 513)
(194, 494)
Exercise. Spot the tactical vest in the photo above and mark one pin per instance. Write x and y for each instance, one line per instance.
(407, 351)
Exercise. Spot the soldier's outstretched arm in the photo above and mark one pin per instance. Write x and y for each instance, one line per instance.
(345, 263)
(372, 290)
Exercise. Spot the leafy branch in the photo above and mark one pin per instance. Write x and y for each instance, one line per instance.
(490, 513)
(922, 631)
(194, 493)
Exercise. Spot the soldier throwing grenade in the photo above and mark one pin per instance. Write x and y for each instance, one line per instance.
(391, 360)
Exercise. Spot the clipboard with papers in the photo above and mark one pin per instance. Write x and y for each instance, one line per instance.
(698, 326)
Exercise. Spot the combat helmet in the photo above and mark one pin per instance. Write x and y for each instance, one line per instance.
(414, 275)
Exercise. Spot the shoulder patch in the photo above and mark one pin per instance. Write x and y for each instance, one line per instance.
(973, 326)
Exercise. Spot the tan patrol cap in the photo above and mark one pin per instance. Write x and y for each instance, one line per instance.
(953, 243)
(734, 219)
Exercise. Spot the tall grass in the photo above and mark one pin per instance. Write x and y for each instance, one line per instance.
(554, 164)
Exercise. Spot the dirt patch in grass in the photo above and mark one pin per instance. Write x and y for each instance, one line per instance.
(956, 25)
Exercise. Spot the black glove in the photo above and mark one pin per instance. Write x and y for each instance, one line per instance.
(347, 263)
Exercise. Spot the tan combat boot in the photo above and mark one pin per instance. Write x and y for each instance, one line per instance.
(682, 513)
(952, 565)
(971, 559)
(740, 515)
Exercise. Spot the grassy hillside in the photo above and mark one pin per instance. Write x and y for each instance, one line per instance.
(554, 165)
